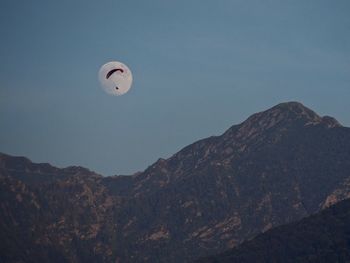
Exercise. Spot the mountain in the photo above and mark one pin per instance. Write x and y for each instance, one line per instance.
(276, 167)
(323, 237)
(51, 214)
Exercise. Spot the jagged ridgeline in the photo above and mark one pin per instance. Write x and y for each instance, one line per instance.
(276, 167)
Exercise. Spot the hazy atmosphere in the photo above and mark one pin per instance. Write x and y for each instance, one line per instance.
(198, 68)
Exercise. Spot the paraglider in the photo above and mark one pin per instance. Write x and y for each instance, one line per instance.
(115, 78)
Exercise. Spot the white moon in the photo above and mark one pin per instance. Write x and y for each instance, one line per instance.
(115, 78)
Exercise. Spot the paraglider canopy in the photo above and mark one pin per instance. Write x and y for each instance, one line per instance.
(112, 71)
(115, 78)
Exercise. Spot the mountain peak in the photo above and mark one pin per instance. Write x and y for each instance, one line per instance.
(287, 113)
(291, 105)
(283, 116)
(296, 110)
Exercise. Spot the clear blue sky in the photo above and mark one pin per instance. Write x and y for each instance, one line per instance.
(198, 67)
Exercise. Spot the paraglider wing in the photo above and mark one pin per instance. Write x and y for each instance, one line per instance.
(112, 71)
(115, 78)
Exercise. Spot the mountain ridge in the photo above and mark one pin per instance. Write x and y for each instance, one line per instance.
(276, 167)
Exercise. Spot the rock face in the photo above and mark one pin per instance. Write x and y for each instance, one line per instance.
(276, 167)
(323, 237)
(52, 215)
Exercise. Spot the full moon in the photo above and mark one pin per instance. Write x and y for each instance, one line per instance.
(115, 78)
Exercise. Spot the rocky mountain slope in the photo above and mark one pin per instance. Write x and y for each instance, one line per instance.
(323, 237)
(276, 167)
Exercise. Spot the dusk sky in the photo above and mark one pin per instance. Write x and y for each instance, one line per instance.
(198, 68)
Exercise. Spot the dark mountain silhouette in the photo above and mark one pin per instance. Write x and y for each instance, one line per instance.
(323, 237)
(276, 167)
